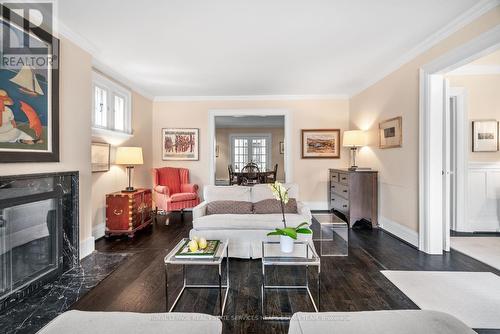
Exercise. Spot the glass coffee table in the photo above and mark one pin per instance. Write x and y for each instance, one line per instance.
(217, 260)
(304, 255)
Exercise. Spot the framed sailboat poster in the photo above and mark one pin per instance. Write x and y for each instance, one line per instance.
(29, 92)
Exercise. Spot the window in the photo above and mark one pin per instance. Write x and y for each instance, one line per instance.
(250, 148)
(112, 105)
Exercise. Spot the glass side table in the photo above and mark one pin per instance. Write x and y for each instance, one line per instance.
(222, 253)
(333, 236)
(304, 255)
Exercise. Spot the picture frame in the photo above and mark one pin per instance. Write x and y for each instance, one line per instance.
(31, 96)
(391, 133)
(180, 144)
(485, 135)
(320, 143)
(100, 157)
(282, 147)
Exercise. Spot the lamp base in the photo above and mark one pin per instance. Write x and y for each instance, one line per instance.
(128, 190)
(352, 168)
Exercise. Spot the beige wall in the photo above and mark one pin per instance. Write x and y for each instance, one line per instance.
(116, 178)
(74, 130)
(482, 102)
(398, 95)
(310, 174)
(224, 159)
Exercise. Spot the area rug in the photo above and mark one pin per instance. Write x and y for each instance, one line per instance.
(484, 249)
(32, 313)
(472, 297)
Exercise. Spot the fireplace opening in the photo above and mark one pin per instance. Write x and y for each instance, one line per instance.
(38, 232)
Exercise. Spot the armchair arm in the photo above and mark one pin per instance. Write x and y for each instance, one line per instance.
(162, 190)
(304, 211)
(200, 210)
(189, 188)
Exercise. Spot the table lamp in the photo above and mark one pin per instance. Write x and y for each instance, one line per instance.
(129, 156)
(354, 139)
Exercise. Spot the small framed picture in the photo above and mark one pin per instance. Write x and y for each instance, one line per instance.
(321, 144)
(391, 133)
(180, 144)
(100, 157)
(282, 147)
(485, 136)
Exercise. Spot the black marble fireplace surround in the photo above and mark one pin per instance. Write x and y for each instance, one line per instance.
(39, 232)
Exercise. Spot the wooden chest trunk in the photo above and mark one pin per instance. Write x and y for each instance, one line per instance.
(128, 212)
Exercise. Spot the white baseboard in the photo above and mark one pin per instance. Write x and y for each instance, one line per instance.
(87, 246)
(316, 205)
(98, 231)
(399, 231)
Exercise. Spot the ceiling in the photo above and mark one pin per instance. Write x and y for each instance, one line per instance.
(258, 47)
(249, 122)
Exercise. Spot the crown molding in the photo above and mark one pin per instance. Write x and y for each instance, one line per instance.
(476, 70)
(113, 75)
(251, 98)
(82, 42)
(461, 21)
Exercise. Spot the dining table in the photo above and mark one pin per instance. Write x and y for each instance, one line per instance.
(263, 176)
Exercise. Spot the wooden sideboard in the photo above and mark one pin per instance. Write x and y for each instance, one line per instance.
(354, 194)
(128, 212)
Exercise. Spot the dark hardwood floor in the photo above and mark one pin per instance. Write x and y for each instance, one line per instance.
(351, 283)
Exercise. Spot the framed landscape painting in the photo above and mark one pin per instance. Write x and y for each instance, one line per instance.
(321, 144)
(485, 136)
(391, 133)
(29, 92)
(180, 144)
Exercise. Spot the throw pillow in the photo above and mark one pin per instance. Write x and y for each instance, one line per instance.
(229, 207)
(271, 205)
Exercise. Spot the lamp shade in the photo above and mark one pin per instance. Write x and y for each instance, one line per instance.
(354, 138)
(129, 156)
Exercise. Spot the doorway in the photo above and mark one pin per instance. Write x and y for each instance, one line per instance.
(435, 153)
(238, 137)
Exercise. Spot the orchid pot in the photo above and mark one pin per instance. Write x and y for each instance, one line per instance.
(288, 235)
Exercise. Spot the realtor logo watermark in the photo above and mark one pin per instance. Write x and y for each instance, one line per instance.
(26, 31)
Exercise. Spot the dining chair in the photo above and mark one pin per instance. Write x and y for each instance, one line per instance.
(251, 174)
(233, 179)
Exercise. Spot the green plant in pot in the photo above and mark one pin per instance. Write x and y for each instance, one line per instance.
(287, 234)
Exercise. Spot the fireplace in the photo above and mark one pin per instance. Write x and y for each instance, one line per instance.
(38, 231)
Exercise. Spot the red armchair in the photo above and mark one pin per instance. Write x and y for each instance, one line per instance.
(172, 190)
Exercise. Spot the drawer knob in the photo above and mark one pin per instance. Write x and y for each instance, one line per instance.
(344, 178)
(117, 212)
(345, 191)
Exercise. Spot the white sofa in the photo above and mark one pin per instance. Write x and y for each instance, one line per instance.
(82, 322)
(377, 322)
(245, 232)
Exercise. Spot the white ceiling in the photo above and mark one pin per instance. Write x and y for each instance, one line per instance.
(254, 47)
(250, 122)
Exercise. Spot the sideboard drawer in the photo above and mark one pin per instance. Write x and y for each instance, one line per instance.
(341, 190)
(340, 204)
(334, 177)
(344, 178)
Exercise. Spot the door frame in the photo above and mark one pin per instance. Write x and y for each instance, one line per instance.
(431, 201)
(288, 168)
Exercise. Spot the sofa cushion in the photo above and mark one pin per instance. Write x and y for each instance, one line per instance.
(248, 222)
(263, 191)
(180, 197)
(273, 206)
(224, 193)
(229, 207)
